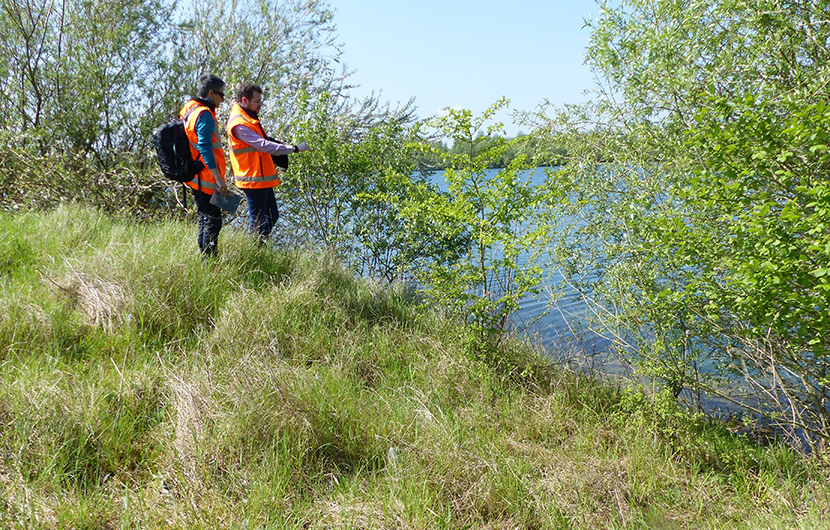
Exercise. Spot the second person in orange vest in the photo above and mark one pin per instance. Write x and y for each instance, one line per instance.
(251, 151)
(202, 128)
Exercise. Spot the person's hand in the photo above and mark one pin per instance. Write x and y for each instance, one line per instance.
(220, 181)
(302, 146)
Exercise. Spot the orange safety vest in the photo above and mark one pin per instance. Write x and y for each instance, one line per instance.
(204, 180)
(252, 169)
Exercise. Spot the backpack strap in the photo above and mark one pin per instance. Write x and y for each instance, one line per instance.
(188, 113)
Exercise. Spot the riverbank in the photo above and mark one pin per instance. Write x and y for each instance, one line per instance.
(145, 387)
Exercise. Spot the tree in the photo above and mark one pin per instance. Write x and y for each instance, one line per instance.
(76, 72)
(289, 48)
(697, 185)
(74, 85)
(84, 83)
(500, 213)
(344, 195)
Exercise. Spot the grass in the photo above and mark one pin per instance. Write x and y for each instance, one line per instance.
(144, 387)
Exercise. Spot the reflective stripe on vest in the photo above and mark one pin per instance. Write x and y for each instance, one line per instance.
(252, 169)
(214, 145)
(198, 183)
(243, 150)
(256, 179)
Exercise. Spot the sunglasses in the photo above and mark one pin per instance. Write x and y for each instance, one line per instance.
(221, 94)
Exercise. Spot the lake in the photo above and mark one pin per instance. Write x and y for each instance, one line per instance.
(559, 324)
(558, 327)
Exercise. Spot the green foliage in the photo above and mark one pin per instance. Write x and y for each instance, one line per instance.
(344, 194)
(500, 215)
(289, 48)
(84, 84)
(76, 75)
(711, 447)
(439, 156)
(775, 200)
(80, 84)
(697, 200)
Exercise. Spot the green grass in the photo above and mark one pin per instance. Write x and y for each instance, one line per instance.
(144, 387)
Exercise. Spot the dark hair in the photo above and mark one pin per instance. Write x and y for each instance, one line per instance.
(207, 83)
(246, 89)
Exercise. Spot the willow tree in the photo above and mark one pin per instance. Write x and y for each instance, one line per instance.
(288, 47)
(697, 182)
(73, 85)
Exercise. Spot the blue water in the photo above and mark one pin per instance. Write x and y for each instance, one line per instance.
(557, 322)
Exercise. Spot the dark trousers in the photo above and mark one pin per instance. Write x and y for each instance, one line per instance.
(210, 223)
(262, 211)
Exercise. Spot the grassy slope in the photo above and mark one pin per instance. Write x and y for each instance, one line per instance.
(142, 387)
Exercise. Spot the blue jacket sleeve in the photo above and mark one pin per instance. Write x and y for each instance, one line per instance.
(205, 126)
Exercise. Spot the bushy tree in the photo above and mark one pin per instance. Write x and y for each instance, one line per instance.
(288, 47)
(345, 195)
(697, 185)
(74, 81)
(500, 214)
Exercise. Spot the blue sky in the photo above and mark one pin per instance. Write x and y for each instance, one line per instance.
(467, 53)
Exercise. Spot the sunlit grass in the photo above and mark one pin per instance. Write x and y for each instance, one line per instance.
(144, 387)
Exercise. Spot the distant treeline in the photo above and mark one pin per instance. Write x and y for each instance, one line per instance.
(530, 145)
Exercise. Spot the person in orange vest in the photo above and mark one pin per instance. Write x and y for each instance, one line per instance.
(202, 128)
(253, 155)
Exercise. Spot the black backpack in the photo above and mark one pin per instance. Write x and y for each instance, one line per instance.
(173, 151)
